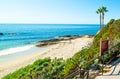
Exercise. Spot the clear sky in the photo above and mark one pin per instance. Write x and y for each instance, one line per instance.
(56, 11)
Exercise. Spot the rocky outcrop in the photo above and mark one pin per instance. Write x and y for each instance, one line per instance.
(11, 34)
(48, 42)
(8, 34)
(1, 34)
(60, 38)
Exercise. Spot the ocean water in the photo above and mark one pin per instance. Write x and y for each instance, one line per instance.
(19, 35)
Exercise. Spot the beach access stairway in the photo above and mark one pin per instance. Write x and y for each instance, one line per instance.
(116, 66)
(115, 72)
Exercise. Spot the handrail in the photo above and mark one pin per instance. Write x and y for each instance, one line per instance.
(108, 51)
(103, 66)
(73, 74)
(87, 74)
(77, 72)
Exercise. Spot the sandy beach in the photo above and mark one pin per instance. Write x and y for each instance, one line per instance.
(64, 49)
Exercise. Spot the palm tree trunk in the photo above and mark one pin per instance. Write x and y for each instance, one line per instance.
(100, 21)
(103, 19)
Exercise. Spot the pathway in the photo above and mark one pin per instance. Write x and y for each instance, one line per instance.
(114, 73)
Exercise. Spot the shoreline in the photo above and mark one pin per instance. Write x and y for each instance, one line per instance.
(21, 54)
(15, 50)
(40, 44)
(63, 49)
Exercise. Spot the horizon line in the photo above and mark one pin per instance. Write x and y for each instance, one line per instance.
(53, 23)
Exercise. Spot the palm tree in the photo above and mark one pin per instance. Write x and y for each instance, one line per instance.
(102, 11)
(99, 11)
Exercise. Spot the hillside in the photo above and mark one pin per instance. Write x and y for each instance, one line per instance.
(58, 68)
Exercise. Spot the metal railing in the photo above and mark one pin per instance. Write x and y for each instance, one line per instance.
(79, 72)
(86, 75)
(109, 52)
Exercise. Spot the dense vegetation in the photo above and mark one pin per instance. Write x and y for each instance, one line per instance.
(58, 68)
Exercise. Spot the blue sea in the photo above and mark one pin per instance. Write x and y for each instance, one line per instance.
(18, 35)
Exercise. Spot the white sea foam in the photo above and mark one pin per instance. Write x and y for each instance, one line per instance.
(15, 50)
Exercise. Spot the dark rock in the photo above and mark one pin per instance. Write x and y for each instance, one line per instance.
(11, 34)
(45, 44)
(48, 42)
(58, 39)
(51, 40)
(1, 34)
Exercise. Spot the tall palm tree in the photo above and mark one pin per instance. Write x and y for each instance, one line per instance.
(99, 11)
(102, 11)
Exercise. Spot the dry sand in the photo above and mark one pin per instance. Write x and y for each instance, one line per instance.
(64, 50)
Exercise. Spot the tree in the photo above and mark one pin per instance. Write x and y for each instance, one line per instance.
(102, 11)
(99, 11)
